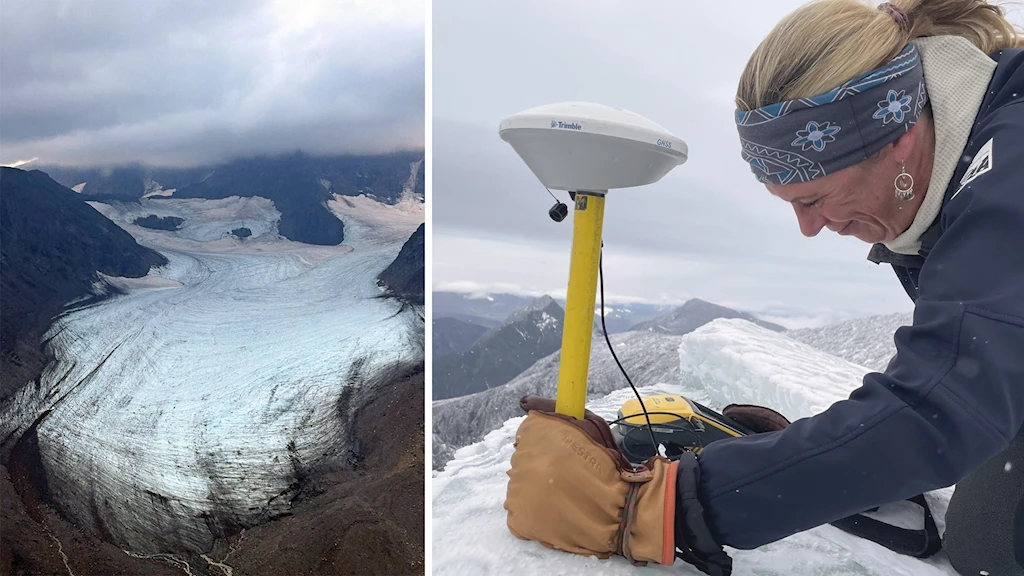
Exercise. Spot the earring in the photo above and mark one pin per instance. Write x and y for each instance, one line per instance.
(904, 185)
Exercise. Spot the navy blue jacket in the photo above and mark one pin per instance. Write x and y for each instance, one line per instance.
(951, 398)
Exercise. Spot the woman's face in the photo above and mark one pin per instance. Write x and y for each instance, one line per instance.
(860, 201)
(856, 202)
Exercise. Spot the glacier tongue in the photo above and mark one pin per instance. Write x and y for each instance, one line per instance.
(178, 413)
(725, 361)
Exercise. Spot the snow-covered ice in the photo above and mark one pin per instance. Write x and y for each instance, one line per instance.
(736, 361)
(198, 401)
(722, 362)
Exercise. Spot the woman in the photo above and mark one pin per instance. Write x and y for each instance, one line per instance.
(901, 125)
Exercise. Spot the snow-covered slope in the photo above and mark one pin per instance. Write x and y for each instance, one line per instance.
(724, 361)
(865, 341)
(201, 400)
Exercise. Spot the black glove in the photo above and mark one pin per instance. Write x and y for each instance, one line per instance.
(694, 542)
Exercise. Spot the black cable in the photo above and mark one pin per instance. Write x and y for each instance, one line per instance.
(679, 425)
(604, 329)
(655, 413)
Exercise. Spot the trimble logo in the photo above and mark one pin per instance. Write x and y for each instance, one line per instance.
(565, 125)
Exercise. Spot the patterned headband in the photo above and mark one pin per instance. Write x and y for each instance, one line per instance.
(807, 138)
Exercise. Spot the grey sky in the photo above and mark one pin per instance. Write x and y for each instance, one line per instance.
(707, 230)
(184, 82)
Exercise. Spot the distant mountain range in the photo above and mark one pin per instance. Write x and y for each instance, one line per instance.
(492, 309)
(453, 336)
(298, 184)
(692, 315)
(475, 348)
(52, 244)
(404, 277)
(501, 353)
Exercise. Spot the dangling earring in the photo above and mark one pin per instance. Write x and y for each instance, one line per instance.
(904, 184)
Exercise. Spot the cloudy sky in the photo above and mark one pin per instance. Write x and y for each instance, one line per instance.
(178, 82)
(707, 230)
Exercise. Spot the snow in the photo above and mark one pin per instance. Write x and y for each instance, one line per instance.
(735, 361)
(547, 321)
(160, 192)
(865, 341)
(409, 188)
(373, 221)
(724, 361)
(204, 221)
(196, 401)
(79, 187)
(153, 188)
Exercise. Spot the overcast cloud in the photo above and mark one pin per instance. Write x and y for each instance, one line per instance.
(707, 230)
(178, 82)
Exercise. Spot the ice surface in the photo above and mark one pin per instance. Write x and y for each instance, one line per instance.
(204, 220)
(378, 222)
(736, 361)
(199, 401)
(725, 361)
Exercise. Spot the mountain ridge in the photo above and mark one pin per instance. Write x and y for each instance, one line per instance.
(502, 352)
(298, 184)
(53, 245)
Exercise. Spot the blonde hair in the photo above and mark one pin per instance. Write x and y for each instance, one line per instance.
(827, 42)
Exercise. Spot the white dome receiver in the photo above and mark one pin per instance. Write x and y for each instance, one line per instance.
(580, 146)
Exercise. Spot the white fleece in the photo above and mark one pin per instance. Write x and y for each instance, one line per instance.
(956, 75)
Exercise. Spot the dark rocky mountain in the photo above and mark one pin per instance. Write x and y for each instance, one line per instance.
(404, 277)
(503, 352)
(52, 244)
(622, 317)
(242, 232)
(298, 184)
(155, 222)
(694, 314)
(453, 336)
(127, 182)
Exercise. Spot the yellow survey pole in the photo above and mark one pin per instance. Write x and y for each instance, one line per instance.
(578, 327)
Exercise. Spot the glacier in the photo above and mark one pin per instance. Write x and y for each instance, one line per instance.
(722, 362)
(200, 399)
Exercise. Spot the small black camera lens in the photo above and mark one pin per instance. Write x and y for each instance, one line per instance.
(558, 212)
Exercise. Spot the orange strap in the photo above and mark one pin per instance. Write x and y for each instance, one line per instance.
(668, 549)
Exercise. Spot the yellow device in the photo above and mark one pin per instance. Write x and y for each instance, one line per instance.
(678, 424)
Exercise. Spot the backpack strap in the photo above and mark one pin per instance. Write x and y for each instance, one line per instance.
(917, 543)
